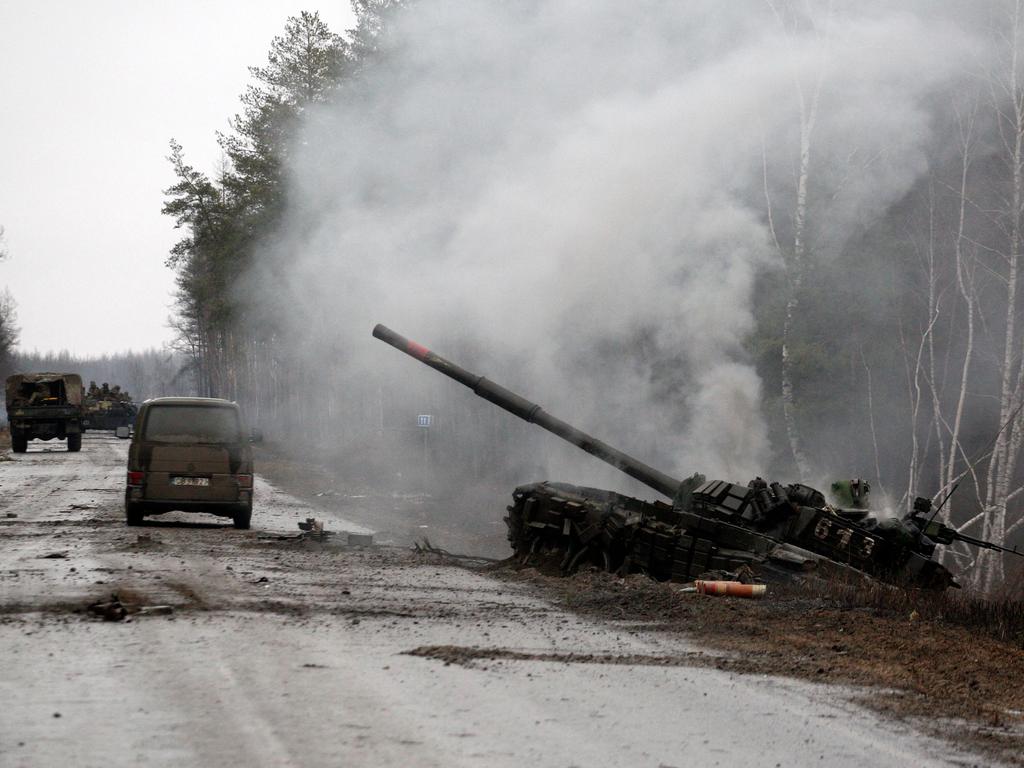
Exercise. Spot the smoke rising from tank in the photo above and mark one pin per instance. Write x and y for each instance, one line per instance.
(576, 192)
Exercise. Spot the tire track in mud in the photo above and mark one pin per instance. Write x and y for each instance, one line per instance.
(54, 508)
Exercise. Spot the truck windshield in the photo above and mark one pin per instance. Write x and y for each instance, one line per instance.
(192, 424)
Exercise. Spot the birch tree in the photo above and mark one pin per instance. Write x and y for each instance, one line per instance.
(977, 291)
(1008, 98)
(795, 253)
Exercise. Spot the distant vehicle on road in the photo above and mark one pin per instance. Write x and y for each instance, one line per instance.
(45, 406)
(107, 408)
(190, 454)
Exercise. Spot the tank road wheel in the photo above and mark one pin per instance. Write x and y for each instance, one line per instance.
(243, 519)
(19, 443)
(134, 513)
(75, 443)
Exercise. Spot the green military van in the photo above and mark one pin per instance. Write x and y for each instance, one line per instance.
(190, 454)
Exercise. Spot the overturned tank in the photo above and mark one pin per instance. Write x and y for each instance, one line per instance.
(710, 525)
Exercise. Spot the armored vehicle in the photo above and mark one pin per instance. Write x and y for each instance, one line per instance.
(45, 406)
(107, 408)
(710, 525)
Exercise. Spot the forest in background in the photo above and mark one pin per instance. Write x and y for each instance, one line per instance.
(894, 354)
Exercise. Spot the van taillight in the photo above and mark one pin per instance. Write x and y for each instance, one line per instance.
(136, 478)
(244, 481)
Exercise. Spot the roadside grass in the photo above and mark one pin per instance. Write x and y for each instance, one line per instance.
(1000, 617)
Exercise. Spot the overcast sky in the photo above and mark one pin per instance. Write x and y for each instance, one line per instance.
(90, 95)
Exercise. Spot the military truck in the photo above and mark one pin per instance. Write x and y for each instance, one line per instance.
(45, 406)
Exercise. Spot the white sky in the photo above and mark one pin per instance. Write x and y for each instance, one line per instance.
(91, 92)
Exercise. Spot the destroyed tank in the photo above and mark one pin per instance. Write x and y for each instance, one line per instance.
(710, 526)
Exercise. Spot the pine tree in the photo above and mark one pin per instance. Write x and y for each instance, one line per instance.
(303, 66)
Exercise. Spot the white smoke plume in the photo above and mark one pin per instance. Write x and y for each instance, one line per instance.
(580, 185)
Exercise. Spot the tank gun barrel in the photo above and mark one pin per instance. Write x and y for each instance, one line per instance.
(533, 413)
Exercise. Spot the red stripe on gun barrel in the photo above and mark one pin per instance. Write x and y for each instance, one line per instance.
(418, 350)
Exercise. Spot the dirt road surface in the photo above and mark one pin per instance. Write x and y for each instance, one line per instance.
(286, 652)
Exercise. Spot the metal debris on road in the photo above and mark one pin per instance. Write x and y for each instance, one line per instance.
(156, 610)
(109, 610)
(424, 547)
(114, 610)
(728, 588)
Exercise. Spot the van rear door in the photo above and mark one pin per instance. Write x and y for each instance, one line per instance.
(194, 452)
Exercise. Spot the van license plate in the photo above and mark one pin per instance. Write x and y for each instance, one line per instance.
(190, 481)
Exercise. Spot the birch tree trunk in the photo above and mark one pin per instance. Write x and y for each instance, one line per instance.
(796, 260)
(1003, 463)
(795, 269)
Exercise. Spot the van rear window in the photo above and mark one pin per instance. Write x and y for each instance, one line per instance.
(192, 424)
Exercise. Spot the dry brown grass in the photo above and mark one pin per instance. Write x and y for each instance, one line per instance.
(1001, 617)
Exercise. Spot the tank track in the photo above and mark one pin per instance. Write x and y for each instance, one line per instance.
(716, 533)
(622, 534)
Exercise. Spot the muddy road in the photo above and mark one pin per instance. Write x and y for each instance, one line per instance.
(286, 652)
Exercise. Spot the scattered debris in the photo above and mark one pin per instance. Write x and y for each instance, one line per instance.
(156, 610)
(730, 588)
(114, 610)
(312, 525)
(314, 528)
(109, 610)
(424, 547)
